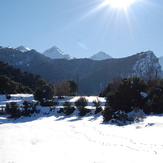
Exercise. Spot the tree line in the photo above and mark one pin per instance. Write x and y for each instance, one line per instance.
(132, 94)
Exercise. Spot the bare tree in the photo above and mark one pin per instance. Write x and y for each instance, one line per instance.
(63, 89)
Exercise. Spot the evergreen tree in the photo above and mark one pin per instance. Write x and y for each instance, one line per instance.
(44, 90)
(73, 87)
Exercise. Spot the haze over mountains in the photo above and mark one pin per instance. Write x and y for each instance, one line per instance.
(93, 75)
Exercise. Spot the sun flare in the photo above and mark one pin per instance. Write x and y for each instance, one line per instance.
(121, 4)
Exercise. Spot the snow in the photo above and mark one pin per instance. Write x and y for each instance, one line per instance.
(146, 65)
(144, 94)
(58, 138)
(100, 56)
(55, 53)
(23, 48)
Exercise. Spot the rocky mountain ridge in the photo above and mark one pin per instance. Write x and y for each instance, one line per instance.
(93, 75)
(56, 53)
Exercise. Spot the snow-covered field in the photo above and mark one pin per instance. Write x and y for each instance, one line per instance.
(55, 138)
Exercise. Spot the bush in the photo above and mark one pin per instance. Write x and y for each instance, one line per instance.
(81, 103)
(8, 96)
(84, 111)
(29, 108)
(46, 92)
(13, 110)
(128, 95)
(107, 113)
(68, 109)
(48, 103)
(120, 116)
(97, 104)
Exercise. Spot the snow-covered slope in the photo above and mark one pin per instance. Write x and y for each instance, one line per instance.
(55, 53)
(23, 48)
(55, 138)
(147, 66)
(100, 56)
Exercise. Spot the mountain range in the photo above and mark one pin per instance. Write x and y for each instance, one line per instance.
(55, 53)
(92, 75)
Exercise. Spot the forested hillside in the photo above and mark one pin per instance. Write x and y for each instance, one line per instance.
(16, 75)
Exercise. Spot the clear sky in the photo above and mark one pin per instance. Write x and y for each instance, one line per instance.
(82, 28)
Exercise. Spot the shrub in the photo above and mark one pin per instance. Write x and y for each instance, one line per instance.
(97, 104)
(128, 94)
(45, 92)
(81, 102)
(68, 109)
(8, 96)
(2, 110)
(84, 111)
(120, 116)
(48, 103)
(13, 110)
(107, 113)
(60, 110)
(29, 107)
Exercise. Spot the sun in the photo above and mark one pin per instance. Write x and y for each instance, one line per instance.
(120, 4)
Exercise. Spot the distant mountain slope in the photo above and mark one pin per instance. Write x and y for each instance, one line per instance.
(93, 75)
(23, 48)
(161, 62)
(56, 53)
(15, 74)
(100, 56)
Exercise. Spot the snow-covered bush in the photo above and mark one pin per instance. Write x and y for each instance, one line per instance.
(135, 115)
(29, 108)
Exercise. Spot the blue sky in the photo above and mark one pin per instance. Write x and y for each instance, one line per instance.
(82, 28)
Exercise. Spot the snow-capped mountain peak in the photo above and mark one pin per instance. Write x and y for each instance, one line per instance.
(55, 53)
(23, 48)
(100, 56)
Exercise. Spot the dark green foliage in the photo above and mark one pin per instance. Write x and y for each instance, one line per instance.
(81, 103)
(25, 78)
(83, 111)
(73, 87)
(68, 109)
(155, 99)
(97, 104)
(120, 116)
(13, 110)
(8, 86)
(8, 96)
(60, 110)
(48, 103)
(133, 94)
(127, 95)
(2, 110)
(107, 113)
(29, 108)
(44, 91)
